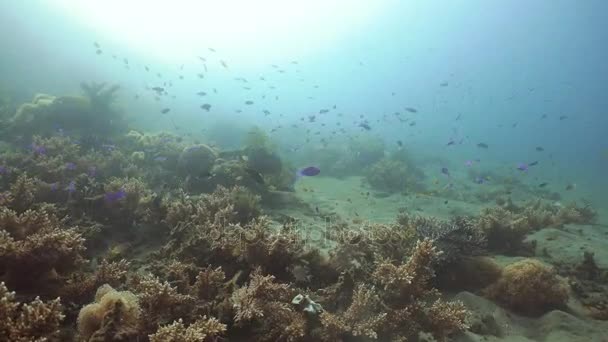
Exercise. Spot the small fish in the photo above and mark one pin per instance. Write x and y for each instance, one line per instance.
(165, 110)
(158, 89)
(206, 106)
(539, 148)
(413, 123)
(563, 117)
(400, 143)
(571, 186)
(411, 110)
(450, 143)
(3, 170)
(308, 171)
(522, 167)
(201, 93)
(114, 196)
(365, 126)
(39, 149)
(248, 102)
(482, 145)
(96, 44)
(445, 171)
(542, 185)
(533, 163)
(443, 84)
(224, 64)
(468, 163)
(98, 51)
(479, 180)
(160, 159)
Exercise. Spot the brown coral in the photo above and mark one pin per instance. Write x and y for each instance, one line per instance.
(203, 329)
(35, 321)
(529, 287)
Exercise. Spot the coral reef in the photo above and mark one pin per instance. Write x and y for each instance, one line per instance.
(529, 287)
(204, 329)
(23, 322)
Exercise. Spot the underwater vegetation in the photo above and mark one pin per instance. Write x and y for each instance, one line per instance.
(152, 237)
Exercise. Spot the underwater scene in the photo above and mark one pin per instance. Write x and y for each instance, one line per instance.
(278, 170)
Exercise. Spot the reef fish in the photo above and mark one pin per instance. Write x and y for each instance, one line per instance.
(206, 106)
(309, 171)
(445, 171)
(114, 196)
(482, 145)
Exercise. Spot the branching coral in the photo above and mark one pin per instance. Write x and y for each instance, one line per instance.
(529, 287)
(35, 321)
(35, 240)
(267, 306)
(203, 329)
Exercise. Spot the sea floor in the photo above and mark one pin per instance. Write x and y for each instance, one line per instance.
(352, 200)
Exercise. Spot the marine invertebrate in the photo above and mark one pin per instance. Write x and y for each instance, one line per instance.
(114, 316)
(34, 321)
(504, 229)
(529, 287)
(37, 241)
(203, 329)
(266, 306)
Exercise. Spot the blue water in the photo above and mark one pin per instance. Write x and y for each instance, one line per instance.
(501, 63)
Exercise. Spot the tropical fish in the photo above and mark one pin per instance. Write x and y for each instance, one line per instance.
(482, 145)
(165, 110)
(445, 171)
(411, 110)
(542, 185)
(206, 106)
(522, 167)
(308, 171)
(114, 196)
(539, 149)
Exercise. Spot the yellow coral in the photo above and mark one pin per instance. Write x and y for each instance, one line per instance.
(108, 300)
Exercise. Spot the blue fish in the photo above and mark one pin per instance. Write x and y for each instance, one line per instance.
(308, 171)
(114, 196)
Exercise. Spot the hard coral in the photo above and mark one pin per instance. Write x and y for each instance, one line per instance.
(35, 321)
(37, 241)
(203, 329)
(529, 287)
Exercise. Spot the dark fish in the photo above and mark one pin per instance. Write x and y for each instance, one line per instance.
(563, 117)
(309, 171)
(400, 143)
(201, 93)
(539, 149)
(365, 126)
(411, 110)
(413, 123)
(165, 111)
(224, 64)
(445, 171)
(533, 163)
(200, 75)
(544, 116)
(482, 145)
(444, 84)
(158, 89)
(323, 111)
(206, 106)
(211, 49)
(257, 177)
(248, 102)
(542, 185)
(99, 52)
(570, 187)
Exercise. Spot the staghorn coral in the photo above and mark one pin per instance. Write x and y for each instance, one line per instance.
(362, 318)
(23, 193)
(529, 287)
(161, 303)
(80, 286)
(114, 316)
(396, 307)
(36, 240)
(504, 229)
(26, 322)
(457, 238)
(203, 329)
(266, 307)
